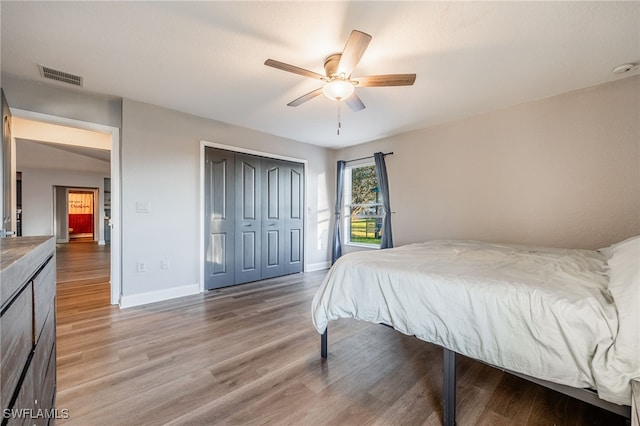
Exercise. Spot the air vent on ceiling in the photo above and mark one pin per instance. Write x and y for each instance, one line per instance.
(62, 76)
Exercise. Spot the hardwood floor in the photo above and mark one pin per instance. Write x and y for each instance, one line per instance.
(250, 355)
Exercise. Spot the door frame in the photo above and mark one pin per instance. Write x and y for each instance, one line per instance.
(116, 237)
(203, 145)
(57, 218)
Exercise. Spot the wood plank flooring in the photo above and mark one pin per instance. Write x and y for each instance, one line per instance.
(250, 355)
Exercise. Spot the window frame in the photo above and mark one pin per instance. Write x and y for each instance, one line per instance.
(346, 204)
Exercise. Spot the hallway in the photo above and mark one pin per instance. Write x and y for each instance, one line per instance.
(82, 281)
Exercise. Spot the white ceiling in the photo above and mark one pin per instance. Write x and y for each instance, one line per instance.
(206, 58)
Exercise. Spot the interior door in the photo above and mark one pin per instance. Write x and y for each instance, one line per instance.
(219, 218)
(248, 218)
(273, 217)
(294, 218)
(6, 179)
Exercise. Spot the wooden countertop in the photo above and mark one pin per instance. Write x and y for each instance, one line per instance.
(20, 257)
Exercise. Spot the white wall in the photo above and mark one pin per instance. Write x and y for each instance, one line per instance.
(37, 197)
(562, 171)
(160, 164)
(44, 167)
(74, 103)
(33, 155)
(161, 167)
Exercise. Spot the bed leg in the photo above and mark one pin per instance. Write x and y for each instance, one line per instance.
(449, 388)
(324, 344)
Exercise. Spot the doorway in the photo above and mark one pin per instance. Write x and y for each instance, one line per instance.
(76, 215)
(81, 215)
(39, 131)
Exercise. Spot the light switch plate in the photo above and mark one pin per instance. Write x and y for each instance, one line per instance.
(143, 207)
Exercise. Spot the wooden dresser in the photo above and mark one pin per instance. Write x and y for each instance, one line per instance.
(27, 330)
(635, 402)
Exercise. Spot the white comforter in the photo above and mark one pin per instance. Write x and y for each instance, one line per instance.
(541, 312)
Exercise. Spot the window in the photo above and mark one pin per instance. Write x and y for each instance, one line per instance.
(363, 205)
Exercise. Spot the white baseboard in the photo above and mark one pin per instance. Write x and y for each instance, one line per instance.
(101, 242)
(318, 266)
(128, 301)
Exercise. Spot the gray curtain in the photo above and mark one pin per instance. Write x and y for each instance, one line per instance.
(336, 250)
(383, 184)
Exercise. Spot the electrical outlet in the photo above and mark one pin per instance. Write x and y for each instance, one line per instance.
(141, 267)
(164, 264)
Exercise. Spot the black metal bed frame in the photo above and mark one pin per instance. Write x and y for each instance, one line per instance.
(449, 386)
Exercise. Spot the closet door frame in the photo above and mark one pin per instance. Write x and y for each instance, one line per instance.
(203, 145)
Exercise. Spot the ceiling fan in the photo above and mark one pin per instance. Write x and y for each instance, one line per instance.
(339, 85)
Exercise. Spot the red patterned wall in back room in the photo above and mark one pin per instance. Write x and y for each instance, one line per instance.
(80, 213)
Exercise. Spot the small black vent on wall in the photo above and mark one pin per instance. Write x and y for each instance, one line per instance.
(62, 76)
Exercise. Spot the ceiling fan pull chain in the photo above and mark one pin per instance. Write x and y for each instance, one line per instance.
(339, 121)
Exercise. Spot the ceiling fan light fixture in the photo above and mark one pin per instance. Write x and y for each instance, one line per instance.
(337, 90)
(338, 85)
(621, 69)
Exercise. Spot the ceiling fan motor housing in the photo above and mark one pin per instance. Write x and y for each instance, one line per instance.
(331, 65)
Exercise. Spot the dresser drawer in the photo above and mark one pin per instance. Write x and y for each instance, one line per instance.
(44, 352)
(44, 293)
(16, 342)
(25, 408)
(46, 394)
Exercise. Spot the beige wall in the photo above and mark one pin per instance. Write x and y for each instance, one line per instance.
(161, 166)
(562, 171)
(160, 163)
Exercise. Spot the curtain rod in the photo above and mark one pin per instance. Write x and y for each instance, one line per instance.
(364, 158)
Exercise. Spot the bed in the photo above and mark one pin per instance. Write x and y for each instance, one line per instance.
(565, 318)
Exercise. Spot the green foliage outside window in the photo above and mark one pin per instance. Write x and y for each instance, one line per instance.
(364, 185)
(365, 209)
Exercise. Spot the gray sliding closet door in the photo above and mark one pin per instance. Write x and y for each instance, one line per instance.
(219, 218)
(248, 218)
(254, 216)
(273, 217)
(294, 218)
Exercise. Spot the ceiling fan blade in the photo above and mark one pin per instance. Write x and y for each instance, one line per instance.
(353, 51)
(304, 98)
(355, 103)
(386, 80)
(292, 68)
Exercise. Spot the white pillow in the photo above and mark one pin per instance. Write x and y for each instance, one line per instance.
(624, 287)
(608, 251)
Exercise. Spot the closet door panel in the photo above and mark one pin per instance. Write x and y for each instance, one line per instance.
(295, 250)
(248, 249)
(219, 218)
(272, 252)
(273, 200)
(248, 219)
(294, 221)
